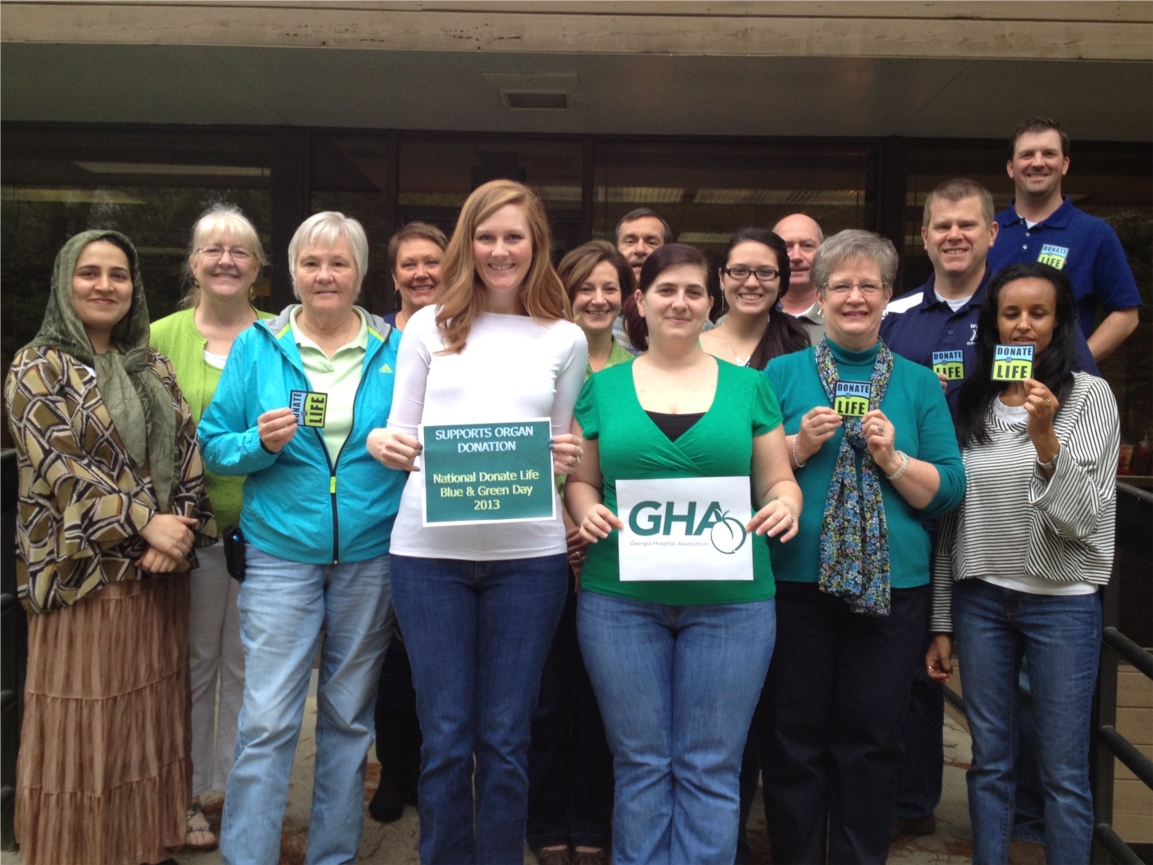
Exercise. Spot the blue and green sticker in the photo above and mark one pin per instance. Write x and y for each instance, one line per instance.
(851, 398)
(308, 407)
(950, 364)
(1013, 363)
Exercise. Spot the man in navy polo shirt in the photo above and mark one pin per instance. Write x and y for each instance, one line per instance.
(1042, 225)
(936, 326)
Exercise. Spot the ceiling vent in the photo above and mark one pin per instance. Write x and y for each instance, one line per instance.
(534, 91)
(535, 100)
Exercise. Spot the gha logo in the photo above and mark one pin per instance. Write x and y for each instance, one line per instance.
(726, 534)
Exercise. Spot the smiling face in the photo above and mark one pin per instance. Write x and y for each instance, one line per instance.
(101, 290)
(677, 303)
(853, 303)
(597, 301)
(802, 237)
(957, 237)
(1038, 164)
(502, 250)
(750, 296)
(417, 273)
(1027, 313)
(638, 239)
(223, 267)
(326, 279)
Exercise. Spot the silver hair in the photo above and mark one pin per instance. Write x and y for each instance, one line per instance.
(854, 243)
(323, 230)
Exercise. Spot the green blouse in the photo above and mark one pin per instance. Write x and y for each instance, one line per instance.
(176, 337)
(631, 446)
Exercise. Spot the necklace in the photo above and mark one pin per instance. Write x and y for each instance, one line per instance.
(741, 361)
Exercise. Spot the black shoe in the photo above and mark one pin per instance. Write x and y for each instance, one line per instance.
(926, 825)
(387, 803)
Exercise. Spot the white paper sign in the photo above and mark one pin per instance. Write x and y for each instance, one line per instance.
(685, 529)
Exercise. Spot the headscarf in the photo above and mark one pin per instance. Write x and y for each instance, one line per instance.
(854, 562)
(138, 402)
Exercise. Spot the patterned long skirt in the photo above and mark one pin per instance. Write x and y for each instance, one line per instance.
(104, 773)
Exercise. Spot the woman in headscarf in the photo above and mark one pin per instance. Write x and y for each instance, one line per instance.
(112, 504)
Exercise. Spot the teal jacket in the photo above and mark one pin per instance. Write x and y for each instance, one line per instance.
(298, 505)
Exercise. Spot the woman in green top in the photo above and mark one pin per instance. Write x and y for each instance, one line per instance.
(224, 261)
(873, 445)
(570, 769)
(676, 617)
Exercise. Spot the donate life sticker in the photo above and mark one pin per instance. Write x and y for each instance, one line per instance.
(1013, 363)
(685, 529)
(308, 407)
(950, 364)
(851, 398)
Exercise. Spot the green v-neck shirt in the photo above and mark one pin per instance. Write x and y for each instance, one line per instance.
(631, 447)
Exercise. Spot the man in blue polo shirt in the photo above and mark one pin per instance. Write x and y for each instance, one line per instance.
(1042, 225)
(936, 326)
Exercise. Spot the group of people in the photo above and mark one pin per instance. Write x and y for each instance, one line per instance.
(537, 685)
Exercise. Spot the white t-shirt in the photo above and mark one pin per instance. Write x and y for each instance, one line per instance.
(512, 368)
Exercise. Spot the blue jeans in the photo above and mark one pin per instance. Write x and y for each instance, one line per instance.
(477, 634)
(1061, 637)
(284, 606)
(677, 687)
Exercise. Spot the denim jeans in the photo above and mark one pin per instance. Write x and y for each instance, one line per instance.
(677, 687)
(1061, 637)
(570, 766)
(284, 607)
(477, 635)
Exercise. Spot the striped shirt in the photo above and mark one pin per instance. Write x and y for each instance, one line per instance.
(1015, 522)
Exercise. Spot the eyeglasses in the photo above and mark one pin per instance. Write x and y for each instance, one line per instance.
(867, 288)
(215, 253)
(741, 273)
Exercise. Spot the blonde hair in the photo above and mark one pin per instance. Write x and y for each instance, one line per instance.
(463, 296)
(220, 219)
(321, 231)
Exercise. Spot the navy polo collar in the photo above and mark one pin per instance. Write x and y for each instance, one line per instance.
(1059, 218)
(929, 292)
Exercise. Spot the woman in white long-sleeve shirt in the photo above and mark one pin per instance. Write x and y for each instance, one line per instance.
(478, 604)
(1020, 561)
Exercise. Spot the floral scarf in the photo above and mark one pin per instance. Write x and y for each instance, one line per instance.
(854, 561)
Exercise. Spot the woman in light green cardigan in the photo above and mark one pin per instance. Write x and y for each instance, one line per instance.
(224, 261)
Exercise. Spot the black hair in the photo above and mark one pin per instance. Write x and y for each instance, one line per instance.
(784, 333)
(661, 259)
(1053, 367)
(128, 251)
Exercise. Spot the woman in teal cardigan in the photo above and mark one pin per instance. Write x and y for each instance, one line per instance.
(874, 451)
(224, 260)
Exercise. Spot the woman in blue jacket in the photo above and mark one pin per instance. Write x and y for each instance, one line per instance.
(294, 406)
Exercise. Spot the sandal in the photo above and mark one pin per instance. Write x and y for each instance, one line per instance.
(198, 831)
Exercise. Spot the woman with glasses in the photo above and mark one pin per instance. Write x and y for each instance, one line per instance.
(753, 279)
(224, 260)
(873, 447)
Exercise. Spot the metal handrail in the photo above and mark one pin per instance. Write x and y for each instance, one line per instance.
(1127, 753)
(1140, 658)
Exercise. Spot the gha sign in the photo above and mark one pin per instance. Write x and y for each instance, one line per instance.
(685, 529)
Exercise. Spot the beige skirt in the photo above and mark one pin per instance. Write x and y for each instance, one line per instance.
(104, 774)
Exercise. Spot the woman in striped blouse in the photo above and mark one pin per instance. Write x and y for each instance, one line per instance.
(1036, 531)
